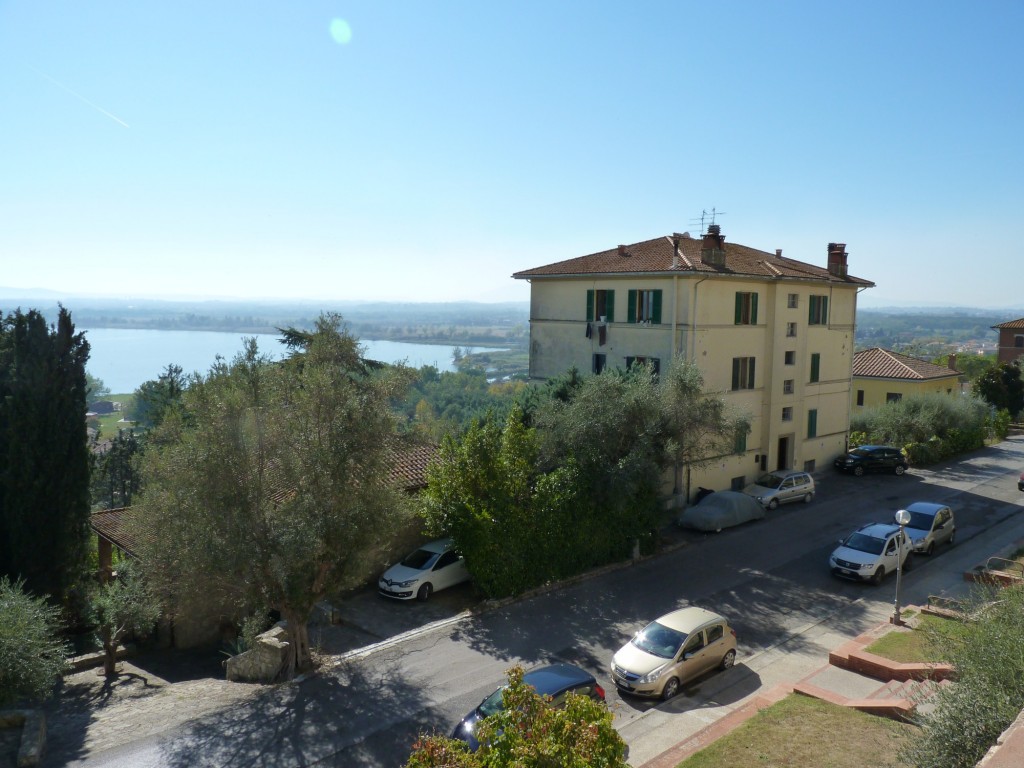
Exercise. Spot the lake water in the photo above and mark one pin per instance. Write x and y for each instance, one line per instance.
(124, 358)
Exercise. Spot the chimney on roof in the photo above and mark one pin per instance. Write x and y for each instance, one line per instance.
(778, 253)
(622, 250)
(675, 249)
(837, 259)
(712, 249)
(952, 361)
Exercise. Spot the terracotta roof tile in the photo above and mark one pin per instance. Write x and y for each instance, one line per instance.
(408, 472)
(1011, 324)
(883, 364)
(656, 256)
(118, 527)
(409, 466)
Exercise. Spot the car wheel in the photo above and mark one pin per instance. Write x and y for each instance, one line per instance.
(728, 660)
(424, 594)
(808, 497)
(858, 471)
(879, 575)
(930, 548)
(773, 504)
(671, 688)
(908, 562)
(900, 469)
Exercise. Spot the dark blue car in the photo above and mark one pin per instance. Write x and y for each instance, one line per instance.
(555, 681)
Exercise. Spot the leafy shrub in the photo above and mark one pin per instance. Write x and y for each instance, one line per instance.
(932, 427)
(988, 696)
(31, 651)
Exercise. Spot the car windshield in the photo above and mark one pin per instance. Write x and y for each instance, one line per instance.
(863, 543)
(491, 705)
(770, 480)
(421, 559)
(861, 452)
(922, 521)
(659, 640)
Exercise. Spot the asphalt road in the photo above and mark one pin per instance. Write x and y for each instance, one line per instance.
(769, 577)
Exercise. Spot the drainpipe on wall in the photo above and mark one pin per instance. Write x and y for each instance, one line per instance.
(693, 322)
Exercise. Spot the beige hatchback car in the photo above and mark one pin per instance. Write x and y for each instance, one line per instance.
(673, 650)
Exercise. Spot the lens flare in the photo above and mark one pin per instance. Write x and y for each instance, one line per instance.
(341, 31)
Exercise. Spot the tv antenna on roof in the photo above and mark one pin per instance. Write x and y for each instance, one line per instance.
(707, 219)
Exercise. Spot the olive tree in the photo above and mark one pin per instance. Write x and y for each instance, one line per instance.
(121, 606)
(989, 693)
(269, 484)
(32, 654)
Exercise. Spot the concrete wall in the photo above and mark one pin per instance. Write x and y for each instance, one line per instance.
(876, 390)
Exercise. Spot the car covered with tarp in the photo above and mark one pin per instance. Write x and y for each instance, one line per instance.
(719, 510)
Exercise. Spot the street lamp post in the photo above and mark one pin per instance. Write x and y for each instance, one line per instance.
(902, 517)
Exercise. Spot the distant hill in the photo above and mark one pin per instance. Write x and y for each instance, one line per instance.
(422, 321)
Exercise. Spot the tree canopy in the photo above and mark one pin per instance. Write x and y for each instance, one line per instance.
(269, 485)
(1003, 387)
(581, 486)
(44, 458)
(529, 732)
(156, 397)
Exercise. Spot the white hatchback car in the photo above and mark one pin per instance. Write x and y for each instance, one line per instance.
(435, 565)
(870, 552)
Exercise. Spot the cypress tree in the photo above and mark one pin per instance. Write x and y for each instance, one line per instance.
(44, 458)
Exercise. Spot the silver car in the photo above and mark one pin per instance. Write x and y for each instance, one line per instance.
(930, 525)
(672, 650)
(780, 487)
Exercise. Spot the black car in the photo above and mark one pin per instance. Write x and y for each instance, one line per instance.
(555, 681)
(872, 458)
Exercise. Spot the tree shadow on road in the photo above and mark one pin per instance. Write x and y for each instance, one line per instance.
(341, 717)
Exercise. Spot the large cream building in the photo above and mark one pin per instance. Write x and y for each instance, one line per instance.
(774, 335)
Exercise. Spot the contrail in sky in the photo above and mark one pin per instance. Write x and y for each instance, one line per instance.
(81, 98)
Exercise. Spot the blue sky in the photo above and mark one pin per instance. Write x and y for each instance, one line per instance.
(427, 150)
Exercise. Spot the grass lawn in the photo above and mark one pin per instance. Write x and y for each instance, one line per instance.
(920, 644)
(799, 732)
(110, 423)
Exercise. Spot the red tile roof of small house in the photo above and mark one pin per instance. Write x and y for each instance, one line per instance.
(657, 255)
(408, 472)
(881, 363)
(1011, 324)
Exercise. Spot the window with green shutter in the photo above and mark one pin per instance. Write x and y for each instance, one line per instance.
(740, 444)
(746, 308)
(815, 367)
(742, 373)
(601, 304)
(817, 312)
(643, 306)
(812, 422)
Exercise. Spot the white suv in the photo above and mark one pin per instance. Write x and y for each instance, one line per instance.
(870, 552)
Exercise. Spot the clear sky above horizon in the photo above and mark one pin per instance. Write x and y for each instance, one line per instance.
(418, 151)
